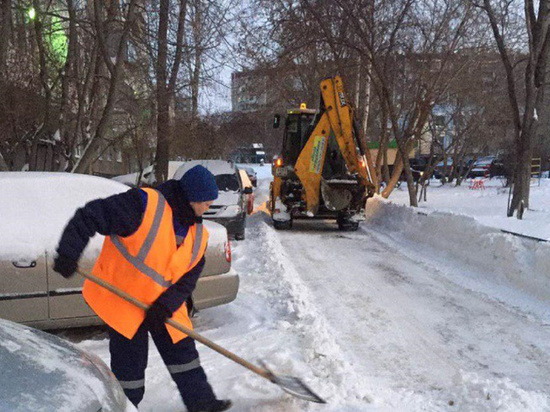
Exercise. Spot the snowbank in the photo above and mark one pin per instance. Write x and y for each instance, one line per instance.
(488, 206)
(519, 262)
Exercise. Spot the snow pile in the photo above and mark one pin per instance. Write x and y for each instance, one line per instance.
(519, 262)
(488, 206)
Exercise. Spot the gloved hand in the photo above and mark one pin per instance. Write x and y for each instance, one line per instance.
(65, 266)
(157, 314)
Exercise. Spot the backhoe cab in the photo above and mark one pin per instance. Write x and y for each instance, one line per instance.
(323, 171)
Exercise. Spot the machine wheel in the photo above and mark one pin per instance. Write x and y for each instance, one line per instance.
(347, 225)
(239, 236)
(282, 225)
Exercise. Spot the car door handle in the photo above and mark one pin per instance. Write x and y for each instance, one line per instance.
(25, 264)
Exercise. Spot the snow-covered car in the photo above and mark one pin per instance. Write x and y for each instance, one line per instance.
(229, 209)
(34, 209)
(41, 372)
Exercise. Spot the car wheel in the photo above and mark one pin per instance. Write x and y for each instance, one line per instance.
(282, 225)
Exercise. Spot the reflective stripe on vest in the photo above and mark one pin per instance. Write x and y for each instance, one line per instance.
(139, 261)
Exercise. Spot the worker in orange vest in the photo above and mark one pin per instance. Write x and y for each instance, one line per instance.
(153, 250)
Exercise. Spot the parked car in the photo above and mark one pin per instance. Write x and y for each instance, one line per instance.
(42, 372)
(417, 169)
(488, 166)
(251, 174)
(229, 209)
(34, 209)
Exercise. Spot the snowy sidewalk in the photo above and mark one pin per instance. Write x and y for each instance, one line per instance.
(487, 206)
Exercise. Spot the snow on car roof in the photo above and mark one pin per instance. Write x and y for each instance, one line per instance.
(36, 206)
(217, 167)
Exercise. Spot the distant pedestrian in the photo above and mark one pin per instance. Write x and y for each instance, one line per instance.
(154, 250)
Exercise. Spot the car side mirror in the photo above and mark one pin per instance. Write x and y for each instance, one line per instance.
(276, 121)
(247, 190)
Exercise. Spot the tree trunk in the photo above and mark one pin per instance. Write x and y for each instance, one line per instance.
(164, 129)
(5, 34)
(366, 98)
(83, 165)
(522, 173)
(45, 86)
(396, 174)
(69, 75)
(522, 176)
(195, 79)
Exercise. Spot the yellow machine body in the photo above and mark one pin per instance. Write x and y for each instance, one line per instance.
(334, 120)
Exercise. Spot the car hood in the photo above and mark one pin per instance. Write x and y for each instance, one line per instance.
(43, 372)
(227, 198)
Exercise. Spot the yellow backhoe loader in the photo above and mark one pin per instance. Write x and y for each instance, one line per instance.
(323, 170)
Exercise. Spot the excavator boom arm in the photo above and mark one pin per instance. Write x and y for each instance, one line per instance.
(336, 118)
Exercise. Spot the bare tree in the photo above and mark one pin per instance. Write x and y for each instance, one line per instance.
(115, 65)
(537, 21)
(410, 47)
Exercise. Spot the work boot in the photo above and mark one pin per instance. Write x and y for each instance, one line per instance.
(212, 406)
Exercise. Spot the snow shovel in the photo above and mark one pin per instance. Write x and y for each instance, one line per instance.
(289, 384)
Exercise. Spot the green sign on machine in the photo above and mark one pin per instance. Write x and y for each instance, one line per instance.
(317, 154)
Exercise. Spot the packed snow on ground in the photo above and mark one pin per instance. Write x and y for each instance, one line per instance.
(429, 311)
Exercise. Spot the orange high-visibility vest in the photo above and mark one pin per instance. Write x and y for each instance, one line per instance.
(144, 265)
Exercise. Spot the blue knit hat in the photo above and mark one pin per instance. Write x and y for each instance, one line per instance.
(199, 184)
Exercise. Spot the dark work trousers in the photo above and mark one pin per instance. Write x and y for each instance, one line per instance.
(129, 360)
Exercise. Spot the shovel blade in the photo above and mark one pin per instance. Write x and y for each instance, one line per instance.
(293, 386)
(297, 388)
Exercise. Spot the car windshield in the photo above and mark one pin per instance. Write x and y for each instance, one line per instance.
(227, 183)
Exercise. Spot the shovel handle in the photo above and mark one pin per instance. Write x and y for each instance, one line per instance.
(207, 342)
